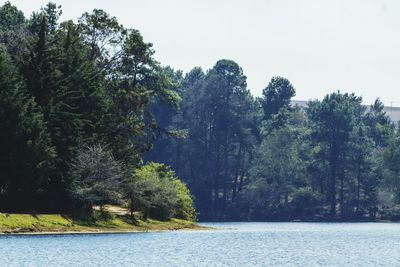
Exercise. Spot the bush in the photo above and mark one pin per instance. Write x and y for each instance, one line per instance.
(305, 202)
(158, 193)
(184, 208)
(392, 213)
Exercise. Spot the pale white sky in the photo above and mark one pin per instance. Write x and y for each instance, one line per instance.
(320, 46)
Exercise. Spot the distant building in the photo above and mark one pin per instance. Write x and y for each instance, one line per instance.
(393, 112)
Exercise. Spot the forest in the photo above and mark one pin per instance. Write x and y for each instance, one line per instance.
(88, 117)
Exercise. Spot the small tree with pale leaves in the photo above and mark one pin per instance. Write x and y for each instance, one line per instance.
(97, 176)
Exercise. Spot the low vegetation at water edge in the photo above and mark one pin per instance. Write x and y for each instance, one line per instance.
(56, 223)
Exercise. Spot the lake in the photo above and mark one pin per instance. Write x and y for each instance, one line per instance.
(233, 244)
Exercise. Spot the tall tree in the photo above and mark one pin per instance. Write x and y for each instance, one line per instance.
(217, 112)
(333, 120)
(27, 154)
(103, 34)
(140, 81)
(277, 95)
(278, 170)
(379, 123)
(13, 30)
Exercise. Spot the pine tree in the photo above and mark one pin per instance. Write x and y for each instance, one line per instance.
(27, 154)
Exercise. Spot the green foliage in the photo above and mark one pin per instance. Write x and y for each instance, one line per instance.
(277, 95)
(333, 121)
(184, 207)
(278, 169)
(10, 16)
(66, 86)
(27, 156)
(216, 111)
(158, 193)
(388, 166)
(13, 32)
(379, 123)
(101, 32)
(305, 202)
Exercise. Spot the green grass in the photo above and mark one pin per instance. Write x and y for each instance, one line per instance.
(173, 224)
(26, 223)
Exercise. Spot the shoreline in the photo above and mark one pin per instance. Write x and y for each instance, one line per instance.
(136, 229)
(101, 232)
(58, 224)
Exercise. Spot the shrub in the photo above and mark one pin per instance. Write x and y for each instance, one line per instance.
(392, 213)
(184, 208)
(158, 193)
(305, 202)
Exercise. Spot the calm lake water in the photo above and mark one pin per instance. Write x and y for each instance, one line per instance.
(233, 244)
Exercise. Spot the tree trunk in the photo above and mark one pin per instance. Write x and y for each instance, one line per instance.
(342, 207)
(358, 188)
(332, 189)
(226, 174)
(239, 164)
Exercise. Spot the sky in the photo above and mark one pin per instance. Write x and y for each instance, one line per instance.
(320, 46)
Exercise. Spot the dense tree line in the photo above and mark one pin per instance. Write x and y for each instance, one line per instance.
(74, 114)
(84, 106)
(247, 158)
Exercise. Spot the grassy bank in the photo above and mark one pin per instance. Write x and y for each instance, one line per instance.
(57, 223)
